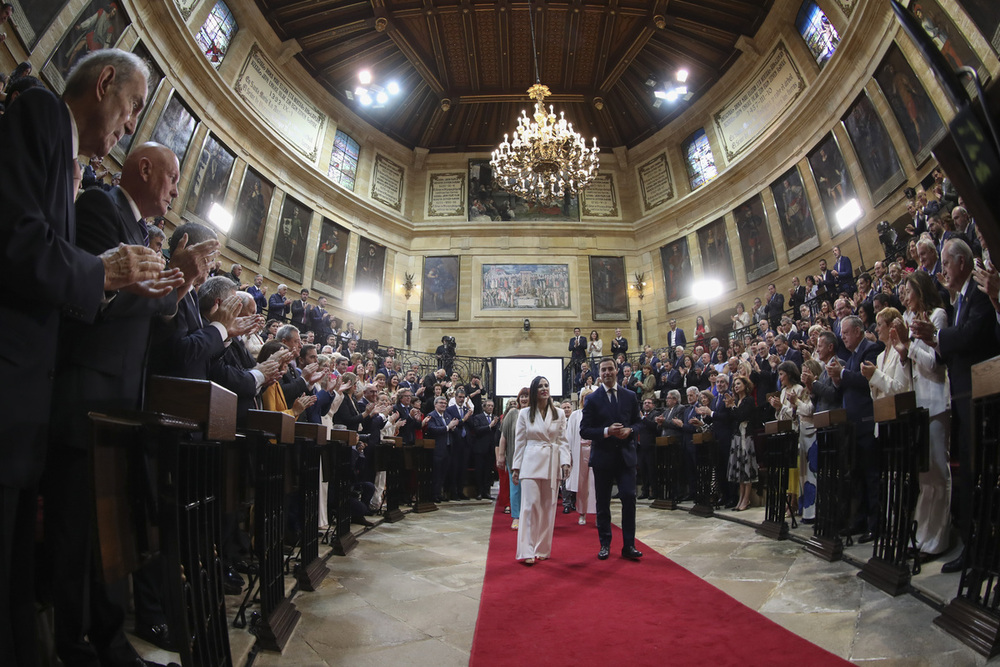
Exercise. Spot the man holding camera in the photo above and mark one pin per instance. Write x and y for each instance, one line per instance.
(445, 353)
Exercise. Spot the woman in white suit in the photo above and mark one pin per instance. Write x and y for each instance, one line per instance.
(581, 475)
(890, 374)
(930, 384)
(541, 461)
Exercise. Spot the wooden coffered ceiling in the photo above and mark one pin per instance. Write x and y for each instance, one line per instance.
(464, 65)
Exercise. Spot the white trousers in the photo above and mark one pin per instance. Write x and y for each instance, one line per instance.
(933, 513)
(538, 518)
(323, 488)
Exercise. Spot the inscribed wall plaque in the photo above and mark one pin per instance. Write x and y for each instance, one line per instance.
(654, 182)
(599, 199)
(272, 98)
(758, 105)
(387, 182)
(446, 194)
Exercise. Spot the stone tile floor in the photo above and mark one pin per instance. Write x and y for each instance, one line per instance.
(409, 593)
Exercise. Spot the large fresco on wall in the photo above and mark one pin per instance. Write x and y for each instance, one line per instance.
(833, 180)
(755, 238)
(910, 104)
(331, 259)
(678, 276)
(252, 207)
(99, 26)
(795, 217)
(876, 154)
(489, 202)
(716, 258)
(525, 287)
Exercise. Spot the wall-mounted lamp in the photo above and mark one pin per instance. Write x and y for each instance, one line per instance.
(639, 285)
(408, 285)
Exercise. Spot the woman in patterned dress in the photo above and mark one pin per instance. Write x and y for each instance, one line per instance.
(742, 457)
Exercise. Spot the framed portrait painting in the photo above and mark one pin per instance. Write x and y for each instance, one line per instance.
(439, 289)
(876, 154)
(833, 181)
(608, 288)
(289, 256)
(755, 238)
(678, 276)
(910, 104)
(716, 258)
(331, 259)
(211, 179)
(32, 18)
(175, 127)
(121, 149)
(99, 26)
(798, 228)
(371, 266)
(252, 207)
(488, 202)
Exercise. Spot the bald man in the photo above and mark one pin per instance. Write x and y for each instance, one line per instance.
(101, 368)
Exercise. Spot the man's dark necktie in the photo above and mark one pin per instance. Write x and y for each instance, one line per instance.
(614, 402)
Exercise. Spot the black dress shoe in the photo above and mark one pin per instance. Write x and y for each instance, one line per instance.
(157, 635)
(567, 510)
(461, 496)
(644, 496)
(953, 566)
(867, 536)
(487, 496)
(631, 553)
(604, 553)
(232, 583)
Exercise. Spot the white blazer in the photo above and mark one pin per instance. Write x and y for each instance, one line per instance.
(892, 375)
(575, 448)
(930, 376)
(540, 447)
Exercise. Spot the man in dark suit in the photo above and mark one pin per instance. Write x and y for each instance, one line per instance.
(796, 296)
(102, 98)
(619, 344)
(824, 394)
(408, 423)
(316, 320)
(258, 292)
(610, 419)
(300, 310)
(577, 349)
(786, 353)
(857, 401)
(969, 339)
(648, 430)
(774, 307)
(675, 339)
(459, 455)
(278, 305)
(484, 440)
(842, 271)
(101, 368)
(720, 417)
(439, 426)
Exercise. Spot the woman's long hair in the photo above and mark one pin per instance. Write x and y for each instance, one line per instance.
(533, 406)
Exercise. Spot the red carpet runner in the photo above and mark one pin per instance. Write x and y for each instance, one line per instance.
(577, 610)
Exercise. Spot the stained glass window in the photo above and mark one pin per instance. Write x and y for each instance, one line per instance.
(217, 33)
(820, 35)
(699, 158)
(344, 161)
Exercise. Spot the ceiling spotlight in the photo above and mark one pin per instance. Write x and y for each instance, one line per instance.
(670, 95)
(382, 98)
(366, 99)
(660, 95)
(365, 77)
(682, 75)
(681, 90)
(393, 88)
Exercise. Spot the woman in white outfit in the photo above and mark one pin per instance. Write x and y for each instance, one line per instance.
(930, 384)
(541, 461)
(581, 475)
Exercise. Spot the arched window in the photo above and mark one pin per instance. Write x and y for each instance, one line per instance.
(820, 35)
(344, 161)
(217, 33)
(699, 159)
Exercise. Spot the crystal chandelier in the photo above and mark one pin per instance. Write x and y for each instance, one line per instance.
(547, 159)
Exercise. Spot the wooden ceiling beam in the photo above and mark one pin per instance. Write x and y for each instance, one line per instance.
(638, 44)
(503, 39)
(469, 34)
(573, 20)
(610, 18)
(408, 50)
(517, 98)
